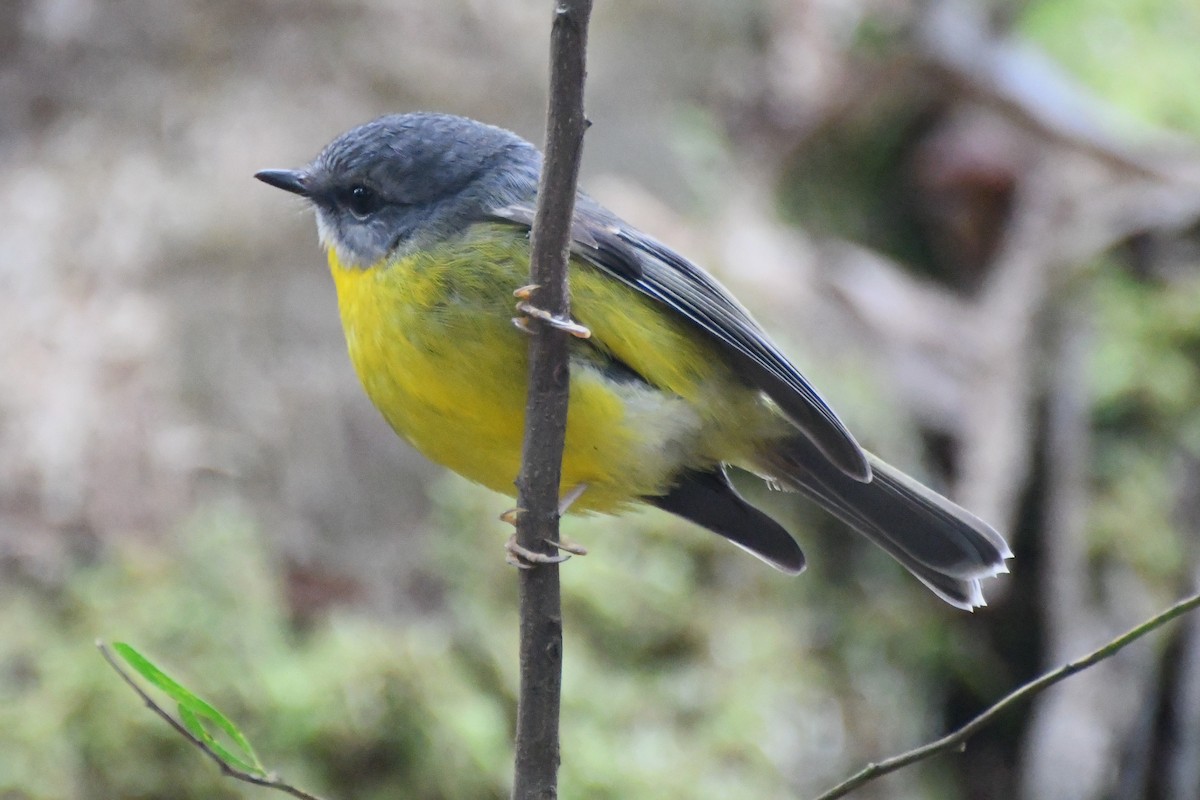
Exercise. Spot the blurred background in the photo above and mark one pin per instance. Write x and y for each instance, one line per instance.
(975, 226)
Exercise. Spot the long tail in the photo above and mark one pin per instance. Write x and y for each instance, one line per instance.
(947, 547)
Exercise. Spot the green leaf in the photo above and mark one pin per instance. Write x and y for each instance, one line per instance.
(193, 711)
(194, 724)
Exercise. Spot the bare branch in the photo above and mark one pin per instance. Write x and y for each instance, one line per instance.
(958, 739)
(269, 781)
(1021, 82)
(537, 748)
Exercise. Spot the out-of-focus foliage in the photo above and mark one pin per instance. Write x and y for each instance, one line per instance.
(693, 672)
(364, 709)
(1146, 368)
(1146, 375)
(850, 182)
(1137, 54)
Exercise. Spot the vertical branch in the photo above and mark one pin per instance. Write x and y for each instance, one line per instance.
(537, 750)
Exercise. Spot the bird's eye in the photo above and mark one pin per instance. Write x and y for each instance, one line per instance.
(362, 201)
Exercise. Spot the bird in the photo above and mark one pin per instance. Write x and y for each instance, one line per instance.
(425, 221)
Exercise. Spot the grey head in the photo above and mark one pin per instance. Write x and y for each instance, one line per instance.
(404, 182)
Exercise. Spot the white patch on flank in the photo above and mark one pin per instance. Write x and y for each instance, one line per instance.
(670, 427)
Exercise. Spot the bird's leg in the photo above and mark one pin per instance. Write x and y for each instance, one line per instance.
(564, 504)
(524, 558)
(568, 499)
(528, 310)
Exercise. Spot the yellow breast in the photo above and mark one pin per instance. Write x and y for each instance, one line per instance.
(432, 340)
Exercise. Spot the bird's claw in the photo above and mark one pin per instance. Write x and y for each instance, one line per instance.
(524, 558)
(528, 310)
(567, 546)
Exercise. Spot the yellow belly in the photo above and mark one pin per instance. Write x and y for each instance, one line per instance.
(432, 340)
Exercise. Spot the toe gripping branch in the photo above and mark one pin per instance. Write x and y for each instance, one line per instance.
(524, 558)
(529, 311)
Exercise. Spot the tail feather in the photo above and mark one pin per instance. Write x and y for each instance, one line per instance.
(708, 499)
(945, 546)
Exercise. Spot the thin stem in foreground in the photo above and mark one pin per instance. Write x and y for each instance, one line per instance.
(269, 781)
(537, 749)
(957, 740)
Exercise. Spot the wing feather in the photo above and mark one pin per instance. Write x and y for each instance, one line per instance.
(650, 267)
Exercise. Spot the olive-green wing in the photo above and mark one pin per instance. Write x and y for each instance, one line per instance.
(632, 257)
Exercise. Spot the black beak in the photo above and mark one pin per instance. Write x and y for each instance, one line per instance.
(290, 180)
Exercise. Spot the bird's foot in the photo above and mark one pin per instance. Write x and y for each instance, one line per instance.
(524, 558)
(529, 311)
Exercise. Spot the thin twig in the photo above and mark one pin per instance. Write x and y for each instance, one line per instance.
(537, 749)
(269, 781)
(957, 740)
